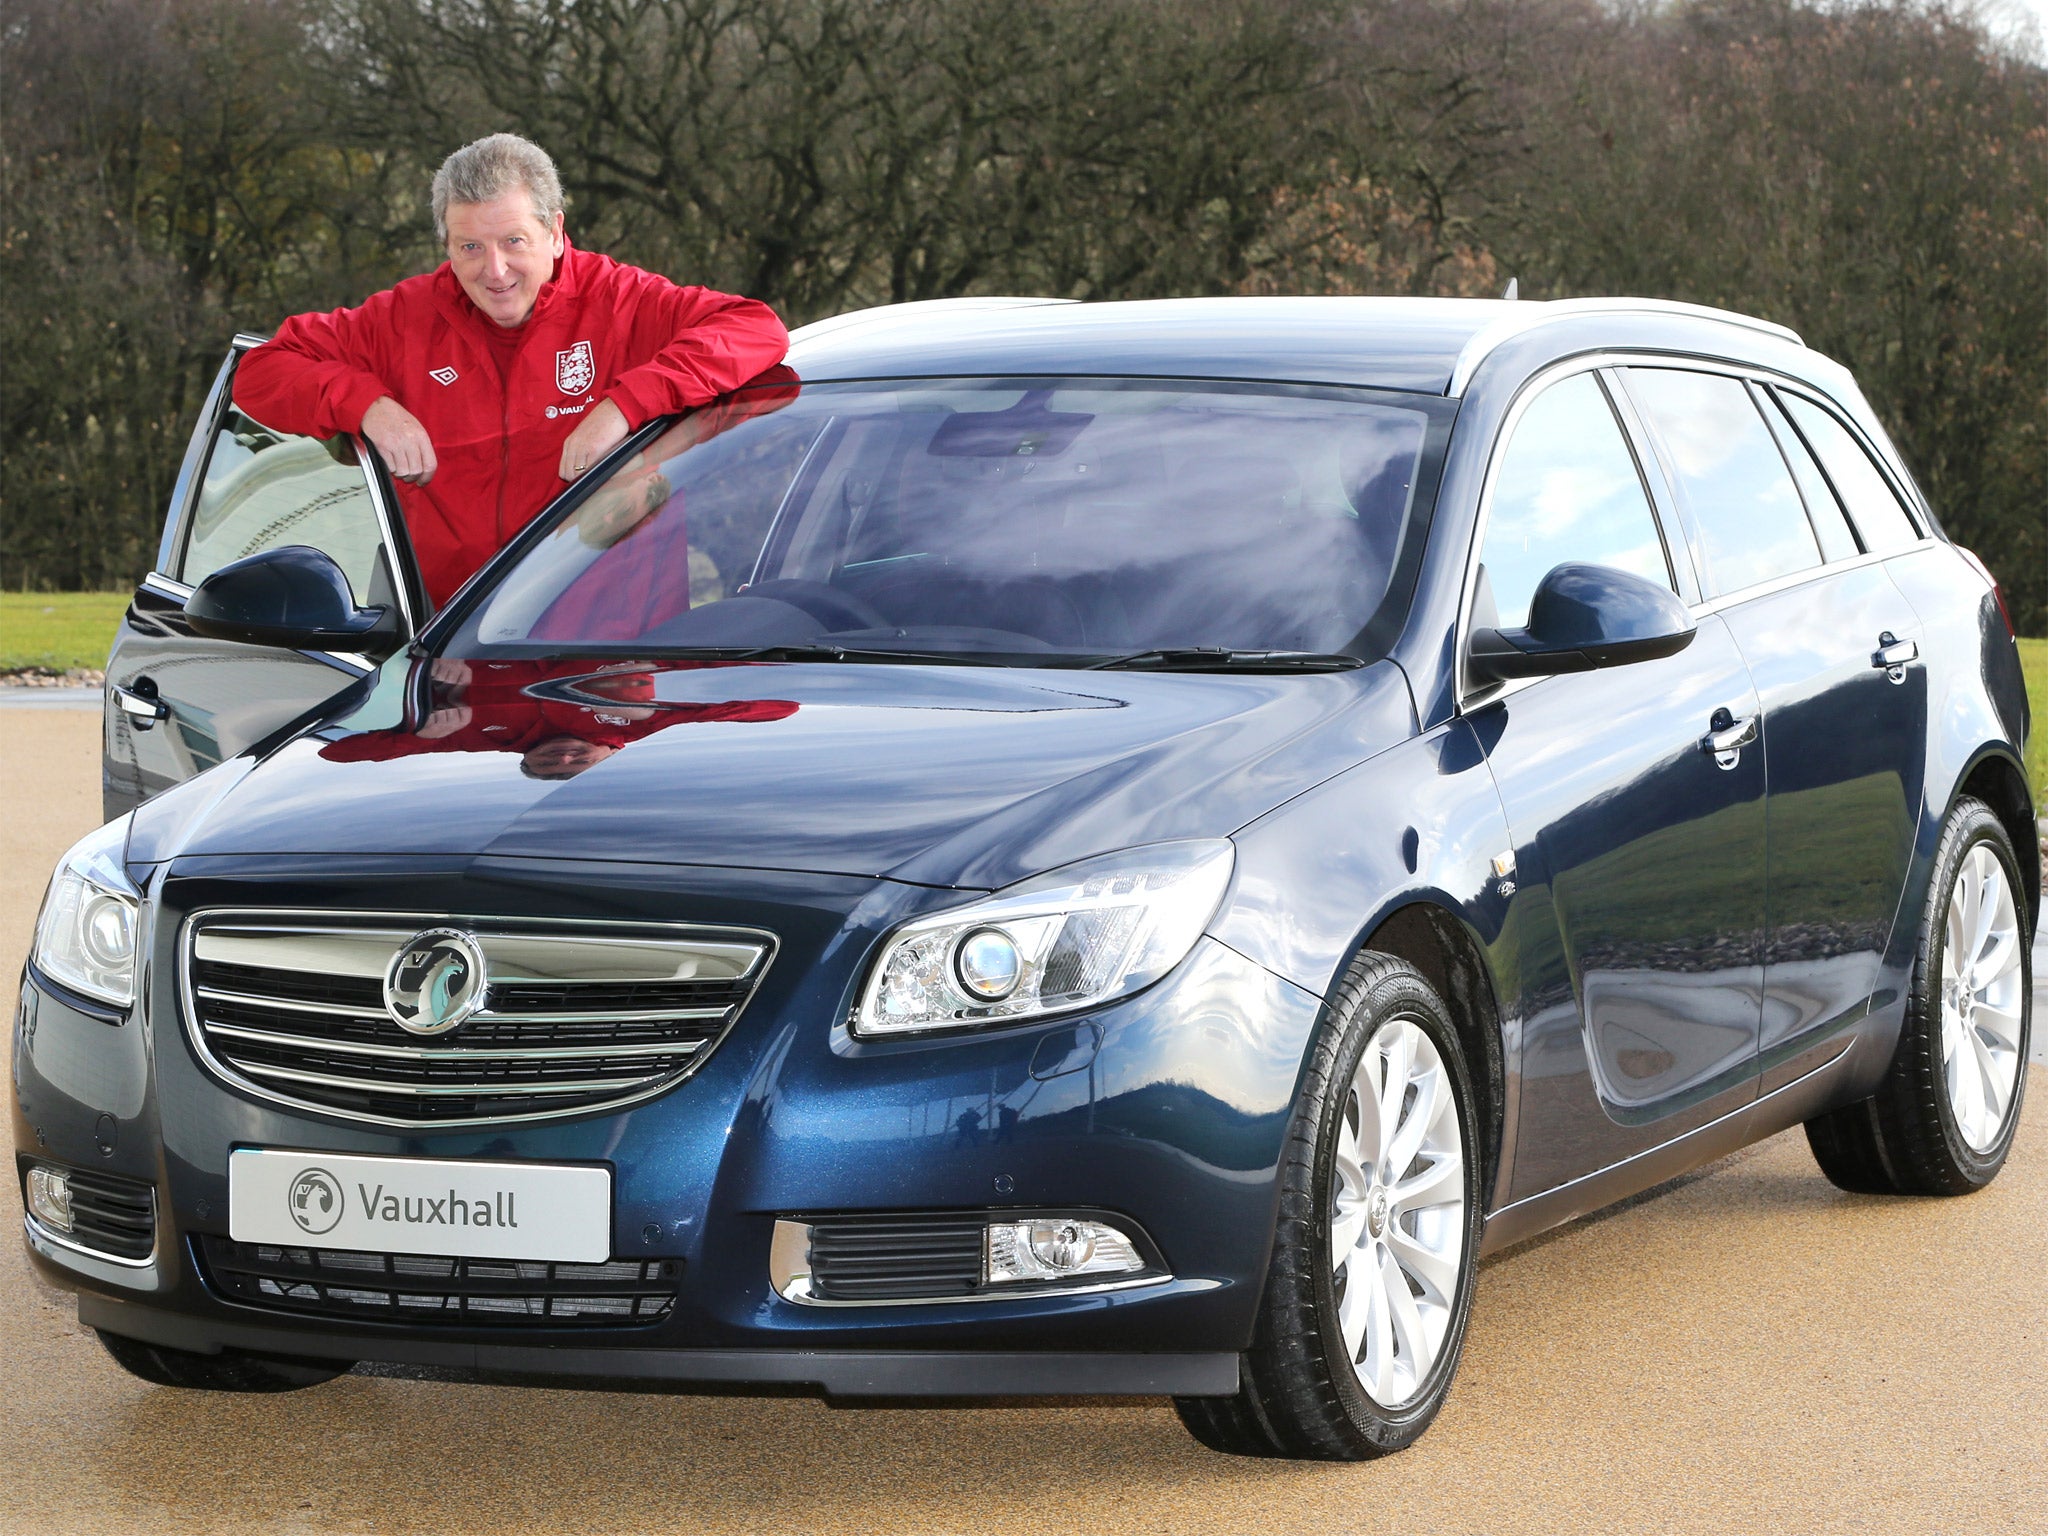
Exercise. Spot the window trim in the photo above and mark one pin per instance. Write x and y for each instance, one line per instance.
(1698, 603)
(1917, 518)
(1531, 388)
(397, 553)
(1687, 519)
(1773, 411)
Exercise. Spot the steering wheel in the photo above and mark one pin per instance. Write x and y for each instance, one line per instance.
(827, 604)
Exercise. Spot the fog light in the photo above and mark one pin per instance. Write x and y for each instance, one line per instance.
(49, 1197)
(1056, 1249)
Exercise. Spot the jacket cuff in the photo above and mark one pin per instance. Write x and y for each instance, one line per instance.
(356, 395)
(635, 404)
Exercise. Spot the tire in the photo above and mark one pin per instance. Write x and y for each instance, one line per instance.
(1943, 1120)
(232, 1370)
(1300, 1394)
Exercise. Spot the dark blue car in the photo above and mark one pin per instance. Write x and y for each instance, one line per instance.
(1077, 849)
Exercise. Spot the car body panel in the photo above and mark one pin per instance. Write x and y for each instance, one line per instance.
(958, 776)
(1843, 747)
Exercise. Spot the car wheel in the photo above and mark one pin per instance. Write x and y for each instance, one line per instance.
(1370, 1282)
(232, 1370)
(1944, 1118)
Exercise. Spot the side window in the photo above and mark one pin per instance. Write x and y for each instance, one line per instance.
(1567, 490)
(1873, 508)
(1745, 509)
(1837, 539)
(265, 489)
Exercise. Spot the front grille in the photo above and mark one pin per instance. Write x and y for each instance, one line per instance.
(111, 1215)
(887, 1258)
(415, 1288)
(573, 1019)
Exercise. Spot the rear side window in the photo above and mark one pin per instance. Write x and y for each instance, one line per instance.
(1866, 494)
(1567, 490)
(266, 489)
(1837, 540)
(1746, 512)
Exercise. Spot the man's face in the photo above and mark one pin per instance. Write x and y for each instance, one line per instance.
(562, 757)
(502, 253)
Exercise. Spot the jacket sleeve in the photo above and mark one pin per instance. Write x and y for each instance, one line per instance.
(690, 345)
(319, 373)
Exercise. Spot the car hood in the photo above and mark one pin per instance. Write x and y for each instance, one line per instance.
(948, 776)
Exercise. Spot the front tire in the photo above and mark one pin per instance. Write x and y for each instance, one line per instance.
(1370, 1283)
(232, 1370)
(1943, 1120)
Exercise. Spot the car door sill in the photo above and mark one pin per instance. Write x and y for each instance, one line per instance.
(1777, 1110)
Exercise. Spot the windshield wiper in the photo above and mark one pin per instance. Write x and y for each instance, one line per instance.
(822, 651)
(1217, 658)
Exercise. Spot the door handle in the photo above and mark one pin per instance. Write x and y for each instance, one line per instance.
(1727, 736)
(1892, 654)
(142, 709)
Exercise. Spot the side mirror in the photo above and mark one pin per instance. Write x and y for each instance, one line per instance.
(1583, 617)
(295, 597)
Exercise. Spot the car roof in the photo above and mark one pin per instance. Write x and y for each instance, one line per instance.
(1428, 346)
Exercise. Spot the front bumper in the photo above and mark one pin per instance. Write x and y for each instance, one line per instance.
(1169, 1108)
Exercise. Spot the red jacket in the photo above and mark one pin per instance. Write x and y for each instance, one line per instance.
(600, 330)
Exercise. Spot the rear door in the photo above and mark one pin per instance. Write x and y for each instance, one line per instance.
(178, 703)
(1833, 646)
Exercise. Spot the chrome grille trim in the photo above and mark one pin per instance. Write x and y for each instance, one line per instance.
(614, 1015)
(457, 1053)
(442, 1090)
(288, 1006)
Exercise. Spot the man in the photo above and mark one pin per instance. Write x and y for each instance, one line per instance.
(510, 369)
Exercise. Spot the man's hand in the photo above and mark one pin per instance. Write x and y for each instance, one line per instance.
(601, 431)
(445, 722)
(397, 435)
(635, 493)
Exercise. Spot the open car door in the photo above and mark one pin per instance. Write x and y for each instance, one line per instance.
(177, 702)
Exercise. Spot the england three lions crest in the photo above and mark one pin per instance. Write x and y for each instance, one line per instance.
(575, 369)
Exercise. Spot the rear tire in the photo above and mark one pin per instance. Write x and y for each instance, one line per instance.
(1370, 1283)
(1943, 1120)
(232, 1370)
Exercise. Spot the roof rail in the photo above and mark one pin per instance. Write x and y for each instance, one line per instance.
(884, 312)
(1526, 316)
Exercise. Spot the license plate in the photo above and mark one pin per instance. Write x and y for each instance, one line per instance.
(421, 1205)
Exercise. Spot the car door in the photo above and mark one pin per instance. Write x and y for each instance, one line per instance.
(176, 702)
(1635, 931)
(1833, 647)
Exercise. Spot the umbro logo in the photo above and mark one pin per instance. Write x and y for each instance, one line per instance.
(443, 375)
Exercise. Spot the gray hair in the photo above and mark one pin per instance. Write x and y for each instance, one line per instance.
(491, 167)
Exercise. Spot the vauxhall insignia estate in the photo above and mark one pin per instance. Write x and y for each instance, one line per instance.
(1043, 848)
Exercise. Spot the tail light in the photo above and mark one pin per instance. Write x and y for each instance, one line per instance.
(1997, 592)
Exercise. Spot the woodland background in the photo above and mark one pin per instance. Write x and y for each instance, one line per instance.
(1875, 175)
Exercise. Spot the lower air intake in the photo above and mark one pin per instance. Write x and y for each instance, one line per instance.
(449, 1292)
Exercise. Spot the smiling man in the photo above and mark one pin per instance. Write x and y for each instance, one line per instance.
(510, 369)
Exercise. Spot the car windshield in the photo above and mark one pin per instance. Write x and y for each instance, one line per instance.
(1007, 521)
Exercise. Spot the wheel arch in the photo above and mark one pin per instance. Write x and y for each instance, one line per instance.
(1996, 779)
(1449, 957)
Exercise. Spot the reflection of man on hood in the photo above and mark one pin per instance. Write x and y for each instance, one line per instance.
(484, 706)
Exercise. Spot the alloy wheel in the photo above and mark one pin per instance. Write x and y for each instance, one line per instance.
(1980, 998)
(1397, 1213)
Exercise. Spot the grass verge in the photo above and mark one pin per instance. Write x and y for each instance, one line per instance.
(2034, 662)
(58, 631)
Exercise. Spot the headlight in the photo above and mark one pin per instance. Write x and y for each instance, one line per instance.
(85, 938)
(1076, 937)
